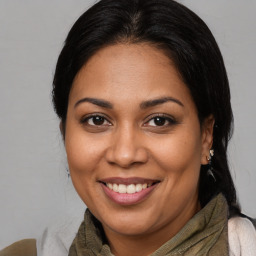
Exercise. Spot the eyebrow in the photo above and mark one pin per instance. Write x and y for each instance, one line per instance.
(143, 105)
(158, 101)
(98, 102)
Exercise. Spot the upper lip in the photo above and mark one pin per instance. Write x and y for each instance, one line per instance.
(127, 181)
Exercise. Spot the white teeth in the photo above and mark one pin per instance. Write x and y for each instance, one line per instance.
(122, 189)
(115, 187)
(109, 185)
(129, 189)
(145, 185)
(138, 187)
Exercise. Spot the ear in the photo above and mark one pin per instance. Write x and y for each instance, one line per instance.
(207, 138)
(62, 130)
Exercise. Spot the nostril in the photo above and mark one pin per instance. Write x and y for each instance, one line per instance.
(122, 157)
(126, 151)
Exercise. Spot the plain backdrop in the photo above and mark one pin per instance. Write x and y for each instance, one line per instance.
(35, 190)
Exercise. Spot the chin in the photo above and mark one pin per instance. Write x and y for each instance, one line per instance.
(128, 221)
(128, 228)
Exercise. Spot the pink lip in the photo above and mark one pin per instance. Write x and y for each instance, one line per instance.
(128, 199)
(127, 181)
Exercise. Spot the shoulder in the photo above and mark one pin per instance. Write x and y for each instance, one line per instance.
(21, 248)
(241, 237)
(57, 239)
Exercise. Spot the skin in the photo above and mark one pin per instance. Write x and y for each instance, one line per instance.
(129, 143)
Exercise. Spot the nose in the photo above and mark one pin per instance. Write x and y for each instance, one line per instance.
(127, 148)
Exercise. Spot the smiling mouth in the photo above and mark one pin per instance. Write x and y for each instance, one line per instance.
(129, 185)
(128, 189)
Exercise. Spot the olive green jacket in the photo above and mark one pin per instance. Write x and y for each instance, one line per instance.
(26, 247)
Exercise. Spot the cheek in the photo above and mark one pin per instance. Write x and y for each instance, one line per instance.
(84, 157)
(84, 154)
(180, 160)
(179, 153)
(81, 154)
(82, 150)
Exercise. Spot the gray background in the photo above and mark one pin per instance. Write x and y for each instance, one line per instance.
(34, 187)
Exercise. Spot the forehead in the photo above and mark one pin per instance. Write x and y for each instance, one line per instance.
(128, 71)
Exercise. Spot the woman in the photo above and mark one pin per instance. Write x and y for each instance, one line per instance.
(142, 94)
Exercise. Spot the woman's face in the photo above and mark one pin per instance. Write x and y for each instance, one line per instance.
(133, 140)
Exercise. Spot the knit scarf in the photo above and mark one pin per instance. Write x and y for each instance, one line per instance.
(205, 234)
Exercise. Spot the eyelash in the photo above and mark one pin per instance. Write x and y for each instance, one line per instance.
(166, 118)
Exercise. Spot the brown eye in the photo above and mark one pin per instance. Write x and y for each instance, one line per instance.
(159, 121)
(96, 120)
